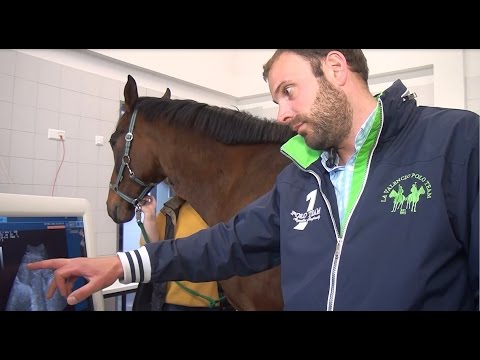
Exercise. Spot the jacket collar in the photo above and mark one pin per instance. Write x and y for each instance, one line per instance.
(397, 106)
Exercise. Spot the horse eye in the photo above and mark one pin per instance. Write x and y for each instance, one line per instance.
(113, 140)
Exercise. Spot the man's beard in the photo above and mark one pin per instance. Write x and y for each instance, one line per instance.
(330, 120)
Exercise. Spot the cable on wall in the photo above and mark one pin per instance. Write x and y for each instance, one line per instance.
(5, 171)
(60, 166)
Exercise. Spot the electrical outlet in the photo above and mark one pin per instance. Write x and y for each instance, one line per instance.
(98, 140)
(54, 134)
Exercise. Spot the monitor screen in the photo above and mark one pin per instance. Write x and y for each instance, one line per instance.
(34, 228)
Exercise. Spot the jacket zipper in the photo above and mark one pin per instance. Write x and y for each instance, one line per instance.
(338, 248)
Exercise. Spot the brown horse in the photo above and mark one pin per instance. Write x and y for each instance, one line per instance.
(217, 159)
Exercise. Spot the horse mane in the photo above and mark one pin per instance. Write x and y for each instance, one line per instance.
(224, 125)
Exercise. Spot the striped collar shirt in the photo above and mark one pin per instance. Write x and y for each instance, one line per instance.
(341, 175)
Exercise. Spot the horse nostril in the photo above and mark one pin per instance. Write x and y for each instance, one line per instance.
(115, 214)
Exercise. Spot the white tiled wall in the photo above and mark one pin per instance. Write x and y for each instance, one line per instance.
(36, 95)
(473, 93)
(472, 79)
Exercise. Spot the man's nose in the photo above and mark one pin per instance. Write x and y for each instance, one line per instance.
(284, 114)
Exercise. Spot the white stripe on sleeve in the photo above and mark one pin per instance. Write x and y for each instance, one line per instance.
(132, 260)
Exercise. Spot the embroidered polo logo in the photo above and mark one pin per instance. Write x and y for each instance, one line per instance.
(302, 219)
(419, 188)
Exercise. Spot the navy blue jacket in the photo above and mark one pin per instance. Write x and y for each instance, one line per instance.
(410, 237)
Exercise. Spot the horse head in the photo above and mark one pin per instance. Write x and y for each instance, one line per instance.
(132, 178)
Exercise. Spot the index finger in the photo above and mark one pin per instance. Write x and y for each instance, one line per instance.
(47, 264)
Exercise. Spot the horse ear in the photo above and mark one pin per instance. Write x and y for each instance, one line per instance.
(130, 93)
(167, 94)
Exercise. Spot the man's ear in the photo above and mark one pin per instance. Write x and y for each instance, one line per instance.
(337, 66)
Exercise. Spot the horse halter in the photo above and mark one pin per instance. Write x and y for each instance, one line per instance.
(126, 163)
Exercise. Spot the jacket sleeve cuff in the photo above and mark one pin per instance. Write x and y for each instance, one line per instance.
(136, 266)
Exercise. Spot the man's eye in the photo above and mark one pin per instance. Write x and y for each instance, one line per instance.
(288, 90)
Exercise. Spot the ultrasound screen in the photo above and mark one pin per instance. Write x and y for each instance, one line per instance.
(28, 239)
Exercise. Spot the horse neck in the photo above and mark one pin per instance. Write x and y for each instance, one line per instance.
(228, 178)
(253, 171)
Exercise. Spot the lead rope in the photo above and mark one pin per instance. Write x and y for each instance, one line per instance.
(138, 213)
